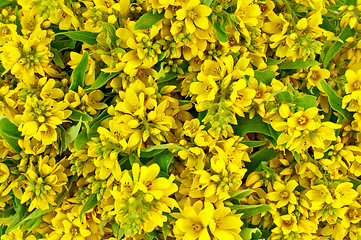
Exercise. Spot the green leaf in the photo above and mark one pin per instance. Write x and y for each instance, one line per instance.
(82, 36)
(346, 33)
(265, 76)
(165, 230)
(251, 210)
(76, 115)
(93, 125)
(164, 159)
(163, 146)
(306, 101)
(33, 223)
(81, 139)
(254, 125)
(71, 134)
(152, 235)
(147, 20)
(239, 194)
(37, 213)
(326, 48)
(284, 96)
(9, 131)
(78, 74)
(220, 34)
(255, 143)
(327, 25)
(101, 80)
(265, 154)
(17, 22)
(250, 233)
(298, 64)
(5, 3)
(62, 44)
(151, 154)
(111, 32)
(207, 2)
(57, 59)
(356, 182)
(271, 61)
(165, 77)
(90, 203)
(335, 101)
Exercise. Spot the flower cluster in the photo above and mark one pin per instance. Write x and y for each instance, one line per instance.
(180, 119)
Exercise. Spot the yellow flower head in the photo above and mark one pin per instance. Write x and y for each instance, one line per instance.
(193, 221)
(283, 194)
(195, 15)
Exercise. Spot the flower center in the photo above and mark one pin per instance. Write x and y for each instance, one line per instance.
(196, 227)
(302, 120)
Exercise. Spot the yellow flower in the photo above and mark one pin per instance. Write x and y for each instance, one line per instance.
(225, 224)
(84, 102)
(193, 221)
(315, 75)
(43, 185)
(142, 198)
(352, 214)
(303, 120)
(64, 18)
(26, 56)
(286, 223)
(283, 194)
(205, 90)
(4, 172)
(353, 81)
(319, 195)
(344, 194)
(195, 15)
(41, 117)
(241, 96)
(277, 26)
(247, 13)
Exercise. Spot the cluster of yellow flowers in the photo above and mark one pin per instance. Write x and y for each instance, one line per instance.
(180, 119)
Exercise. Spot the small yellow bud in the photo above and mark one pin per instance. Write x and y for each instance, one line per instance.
(4, 12)
(46, 24)
(284, 110)
(112, 19)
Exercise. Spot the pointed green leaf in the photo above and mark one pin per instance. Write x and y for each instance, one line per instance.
(346, 33)
(255, 143)
(90, 203)
(265, 154)
(239, 194)
(163, 146)
(9, 131)
(100, 81)
(251, 210)
(306, 101)
(254, 125)
(76, 115)
(81, 139)
(164, 159)
(250, 233)
(111, 32)
(220, 34)
(298, 64)
(271, 61)
(82, 36)
(265, 76)
(147, 20)
(78, 74)
(151, 153)
(335, 101)
(57, 59)
(72, 133)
